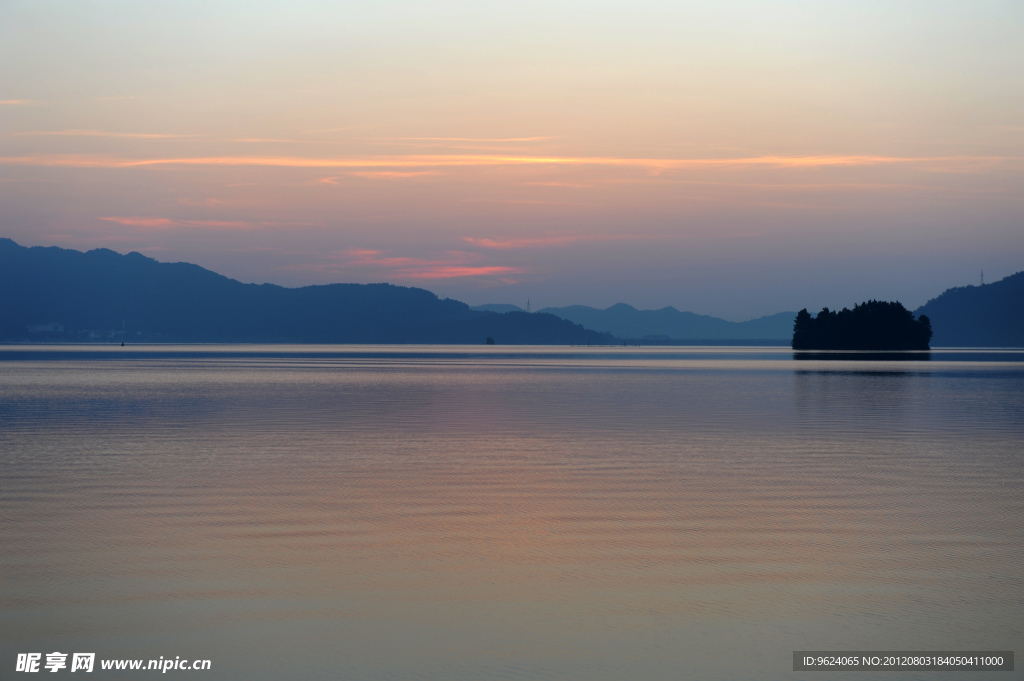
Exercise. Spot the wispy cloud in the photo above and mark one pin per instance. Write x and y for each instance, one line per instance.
(467, 139)
(451, 265)
(15, 102)
(273, 140)
(525, 201)
(393, 174)
(347, 127)
(455, 271)
(137, 221)
(562, 240)
(169, 223)
(378, 175)
(476, 147)
(576, 185)
(951, 163)
(101, 133)
(205, 202)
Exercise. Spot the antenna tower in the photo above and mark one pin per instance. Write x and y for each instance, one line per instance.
(983, 277)
(527, 305)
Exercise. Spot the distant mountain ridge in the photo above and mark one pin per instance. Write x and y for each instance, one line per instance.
(991, 315)
(60, 295)
(500, 308)
(625, 321)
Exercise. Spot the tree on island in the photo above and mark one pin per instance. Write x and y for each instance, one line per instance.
(874, 325)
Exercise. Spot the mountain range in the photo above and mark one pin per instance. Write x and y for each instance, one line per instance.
(991, 315)
(51, 294)
(59, 295)
(665, 325)
(625, 321)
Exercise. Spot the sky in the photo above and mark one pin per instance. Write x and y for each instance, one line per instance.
(728, 158)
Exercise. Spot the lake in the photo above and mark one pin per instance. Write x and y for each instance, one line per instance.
(425, 512)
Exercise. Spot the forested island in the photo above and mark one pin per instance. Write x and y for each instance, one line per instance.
(874, 325)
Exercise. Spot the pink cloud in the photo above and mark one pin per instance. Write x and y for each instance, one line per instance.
(141, 222)
(454, 264)
(233, 224)
(363, 256)
(452, 271)
(566, 239)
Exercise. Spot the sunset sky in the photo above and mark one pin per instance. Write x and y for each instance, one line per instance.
(728, 158)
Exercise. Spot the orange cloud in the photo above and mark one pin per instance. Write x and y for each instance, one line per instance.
(15, 102)
(481, 160)
(468, 139)
(476, 147)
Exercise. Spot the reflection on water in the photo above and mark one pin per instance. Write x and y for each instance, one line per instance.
(872, 356)
(455, 513)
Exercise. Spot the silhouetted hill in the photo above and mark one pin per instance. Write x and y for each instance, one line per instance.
(55, 294)
(979, 316)
(874, 325)
(625, 321)
(500, 308)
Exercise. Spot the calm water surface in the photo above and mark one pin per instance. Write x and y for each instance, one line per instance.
(296, 512)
